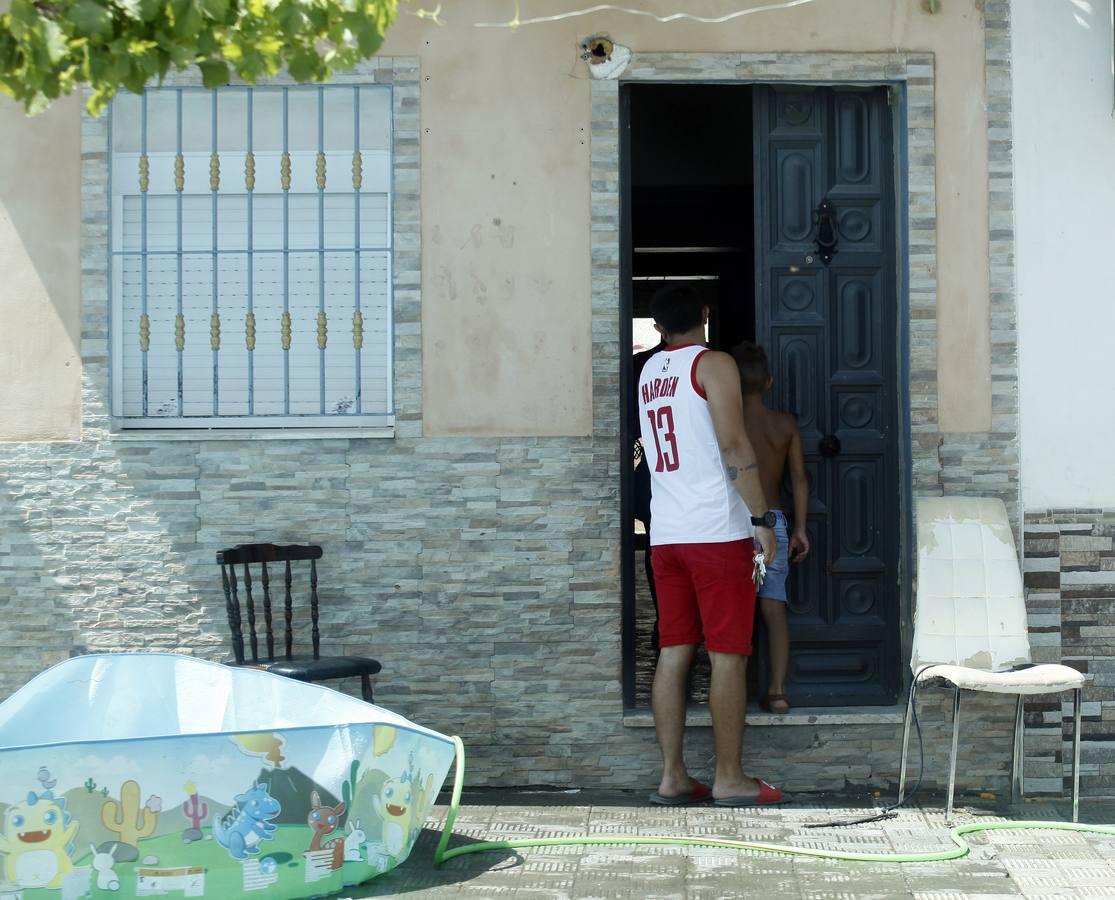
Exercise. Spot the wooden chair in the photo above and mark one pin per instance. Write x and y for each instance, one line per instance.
(301, 668)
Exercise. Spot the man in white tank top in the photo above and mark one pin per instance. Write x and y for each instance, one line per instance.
(707, 513)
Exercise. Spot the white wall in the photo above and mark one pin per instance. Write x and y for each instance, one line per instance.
(1064, 148)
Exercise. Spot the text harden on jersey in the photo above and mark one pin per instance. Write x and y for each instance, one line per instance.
(659, 387)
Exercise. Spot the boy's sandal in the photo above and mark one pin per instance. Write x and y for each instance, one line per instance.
(767, 704)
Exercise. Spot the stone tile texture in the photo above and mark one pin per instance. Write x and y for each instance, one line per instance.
(1070, 583)
(1002, 864)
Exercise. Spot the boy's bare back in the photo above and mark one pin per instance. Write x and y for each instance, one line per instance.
(771, 434)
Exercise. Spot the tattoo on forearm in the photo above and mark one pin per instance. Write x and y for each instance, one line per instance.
(733, 471)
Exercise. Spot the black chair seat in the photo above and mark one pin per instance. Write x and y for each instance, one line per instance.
(306, 668)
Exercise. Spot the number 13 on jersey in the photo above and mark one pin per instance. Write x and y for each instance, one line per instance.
(662, 424)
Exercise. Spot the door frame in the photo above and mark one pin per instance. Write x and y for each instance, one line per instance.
(909, 80)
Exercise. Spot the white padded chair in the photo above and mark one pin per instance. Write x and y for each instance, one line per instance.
(970, 629)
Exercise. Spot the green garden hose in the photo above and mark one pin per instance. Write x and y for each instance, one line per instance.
(962, 848)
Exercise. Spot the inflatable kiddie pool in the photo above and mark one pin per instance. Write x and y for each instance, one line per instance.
(145, 774)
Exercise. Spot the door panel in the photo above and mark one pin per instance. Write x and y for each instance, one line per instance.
(800, 172)
(797, 296)
(832, 334)
(823, 667)
(861, 228)
(798, 366)
(855, 316)
(858, 136)
(806, 592)
(859, 601)
(794, 112)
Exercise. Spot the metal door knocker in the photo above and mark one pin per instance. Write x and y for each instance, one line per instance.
(824, 216)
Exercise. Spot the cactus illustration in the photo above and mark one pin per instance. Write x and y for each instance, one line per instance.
(126, 818)
(104, 791)
(195, 809)
(90, 785)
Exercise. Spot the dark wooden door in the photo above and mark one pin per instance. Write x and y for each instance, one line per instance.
(831, 331)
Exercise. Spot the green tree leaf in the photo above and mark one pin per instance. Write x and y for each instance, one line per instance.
(91, 18)
(140, 10)
(214, 9)
(22, 17)
(55, 41)
(49, 48)
(302, 65)
(214, 73)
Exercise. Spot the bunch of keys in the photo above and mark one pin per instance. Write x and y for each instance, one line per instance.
(760, 571)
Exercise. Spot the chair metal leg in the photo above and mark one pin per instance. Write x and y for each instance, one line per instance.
(1018, 764)
(952, 758)
(906, 743)
(366, 689)
(1076, 697)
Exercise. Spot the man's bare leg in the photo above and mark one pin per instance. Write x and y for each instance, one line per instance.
(778, 638)
(668, 700)
(728, 705)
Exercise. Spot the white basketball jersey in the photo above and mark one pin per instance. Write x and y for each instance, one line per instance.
(691, 501)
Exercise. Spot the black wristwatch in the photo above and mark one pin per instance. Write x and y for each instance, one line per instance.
(768, 520)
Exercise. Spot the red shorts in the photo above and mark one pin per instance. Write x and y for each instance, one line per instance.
(706, 593)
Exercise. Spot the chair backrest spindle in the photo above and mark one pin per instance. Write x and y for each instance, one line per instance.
(315, 634)
(232, 606)
(267, 613)
(250, 603)
(289, 613)
(238, 634)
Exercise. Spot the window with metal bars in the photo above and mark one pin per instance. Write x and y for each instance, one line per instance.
(250, 238)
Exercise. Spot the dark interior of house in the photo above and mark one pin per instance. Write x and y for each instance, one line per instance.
(692, 196)
(692, 220)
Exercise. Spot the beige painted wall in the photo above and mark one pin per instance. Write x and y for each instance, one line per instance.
(505, 197)
(40, 355)
(506, 307)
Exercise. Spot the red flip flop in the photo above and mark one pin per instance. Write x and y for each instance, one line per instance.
(769, 795)
(698, 793)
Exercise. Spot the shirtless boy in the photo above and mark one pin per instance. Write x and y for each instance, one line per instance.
(777, 444)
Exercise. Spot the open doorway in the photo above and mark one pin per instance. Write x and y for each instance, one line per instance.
(692, 219)
(779, 203)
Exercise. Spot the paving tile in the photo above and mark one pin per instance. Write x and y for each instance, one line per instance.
(1003, 865)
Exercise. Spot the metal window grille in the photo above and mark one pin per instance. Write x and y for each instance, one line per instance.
(250, 235)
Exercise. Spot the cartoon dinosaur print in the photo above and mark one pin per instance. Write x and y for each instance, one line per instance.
(245, 826)
(37, 841)
(397, 806)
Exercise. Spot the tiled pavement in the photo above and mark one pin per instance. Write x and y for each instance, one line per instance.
(1005, 864)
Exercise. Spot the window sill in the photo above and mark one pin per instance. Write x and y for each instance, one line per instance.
(699, 716)
(161, 435)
